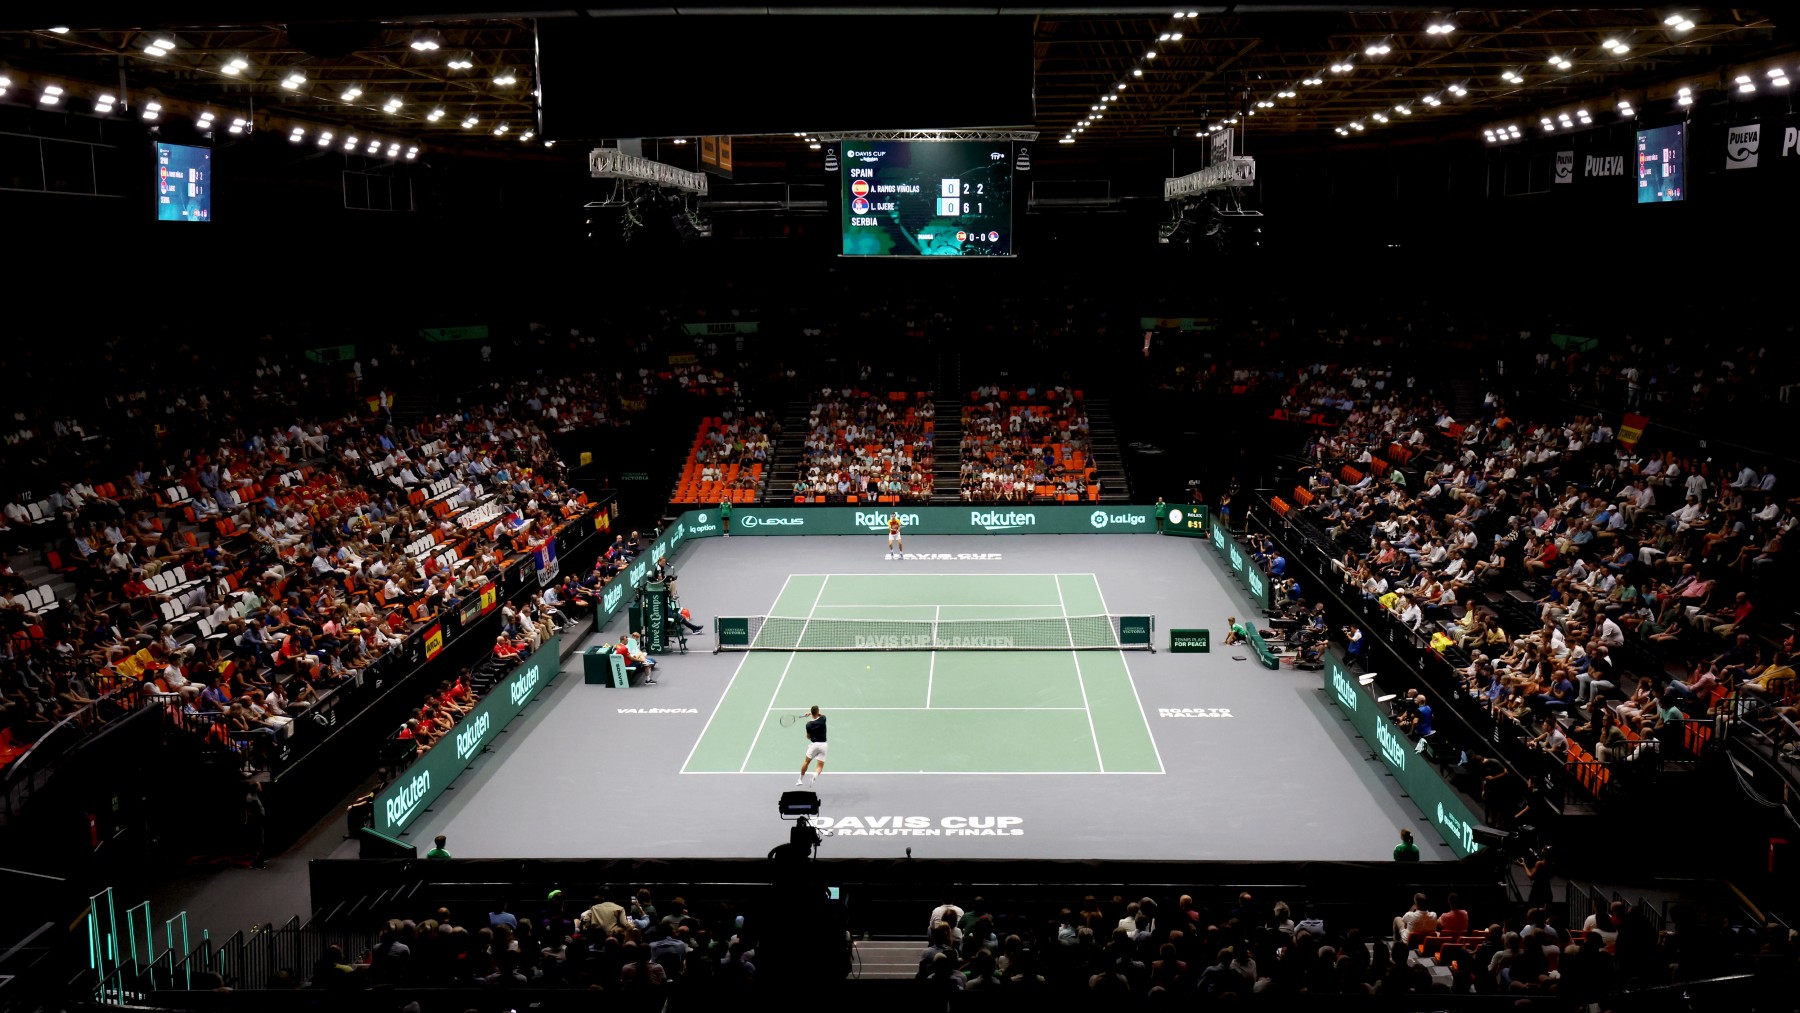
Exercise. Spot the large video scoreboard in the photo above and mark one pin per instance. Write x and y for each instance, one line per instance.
(927, 198)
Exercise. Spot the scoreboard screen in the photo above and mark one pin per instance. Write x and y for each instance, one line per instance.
(183, 183)
(1661, 164)
(927, 198)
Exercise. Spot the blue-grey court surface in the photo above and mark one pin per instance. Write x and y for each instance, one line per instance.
(1061, 755)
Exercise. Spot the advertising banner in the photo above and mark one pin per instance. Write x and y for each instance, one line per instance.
(1190, 641)
(400, 803)
(1178, 323)
(983, 519)
(1189, 521)
(1437, 801)
(434, 641)
(702, 327)
(1239, 559)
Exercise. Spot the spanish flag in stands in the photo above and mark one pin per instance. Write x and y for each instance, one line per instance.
(434, 641)
(490, 596)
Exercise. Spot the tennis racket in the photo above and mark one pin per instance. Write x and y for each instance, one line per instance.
(787, 720)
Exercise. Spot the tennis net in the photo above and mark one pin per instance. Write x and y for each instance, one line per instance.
(1059, 633)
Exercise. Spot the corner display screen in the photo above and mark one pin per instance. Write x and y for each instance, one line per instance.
(928, 198)
(1661, 164)
(183, 183)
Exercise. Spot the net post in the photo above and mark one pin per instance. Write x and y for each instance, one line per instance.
(717, 647)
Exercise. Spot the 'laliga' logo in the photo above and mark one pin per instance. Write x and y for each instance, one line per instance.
(1097, 518)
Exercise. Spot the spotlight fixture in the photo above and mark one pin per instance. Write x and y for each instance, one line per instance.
(1379, 118)
(1440, 28)
(5, 83)
(392, 105)
(59, 29)
(151, 110)
(351, 94)
(394, 150)
(506, 78)
(238, 125)
(1745, 84)
(1099, 116)
(1341, 68)
(413, 152)
(1625, 109)
(324, 138)
(1432, 100)
(205, 122)
(1178, 15)
(1164, 37)
(1377, 49)
(1560, 62)
(1341, 132)
(547, 144)
(1265, 104)
(1137, 72)
(1684, 97)
(435, 114)
(1458, 90)
(460, 63)
(159, 46)
(500, 131)
(1193, 14)
(1582, 115)
(1174, 36)
(350, 143)
(1284, 94)
(470, 121)
(1512, 77)
(529, 134)
(294, 81)
(1403, 110)
(104, 104)
(1679, 22)
(374, 146)
(1778, 78)
(1121, 86)
(1357, 126)
(1548, 125)
(424, 43)
(298, 135)
(1312, 82)
(235, 66)
(1066, 140)
(1150, 54)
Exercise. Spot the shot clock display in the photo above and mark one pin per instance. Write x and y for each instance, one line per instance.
(927, 198)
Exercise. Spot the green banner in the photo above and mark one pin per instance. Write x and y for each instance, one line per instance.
(1190, 641)
(1188, 521)
(1134, 629)
(332, 353)
(1243, 567)
(1437, 801)
(929, 520)
(733, 632)
(478, 332)
(722, 327)
(403, 801)
(1573, 342)
(1178, 323)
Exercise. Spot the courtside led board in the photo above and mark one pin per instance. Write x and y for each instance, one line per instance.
(927, 198)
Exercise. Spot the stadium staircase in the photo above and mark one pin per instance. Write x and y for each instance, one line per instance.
(784, 470)
(1109, 462)
(946, 474)
(1465, 401)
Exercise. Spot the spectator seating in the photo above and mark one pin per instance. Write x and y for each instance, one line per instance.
(864, 448)
(1025, 446)
(726, 462)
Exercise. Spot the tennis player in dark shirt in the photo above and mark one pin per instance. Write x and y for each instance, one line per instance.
(815, 746)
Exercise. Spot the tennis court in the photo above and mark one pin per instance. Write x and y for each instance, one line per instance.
(934, 711)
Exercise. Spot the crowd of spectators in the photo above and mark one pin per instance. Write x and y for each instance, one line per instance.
(868, 447)
(1618, 566)
(629, 944)
(1024, 446)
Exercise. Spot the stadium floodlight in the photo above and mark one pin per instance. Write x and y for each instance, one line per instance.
(1439, 28)
(297, 135)
(392, 105)
(1778, 78)
(59, 29)
(1312, 82)
(238, 125)
(1174, 36)
(5, 83)
(506, 78)
(1379, 118)
(1178, 15)
(206, 120)
(1560, 62)
(1432, 101)
(1066, 140)
(1357, 126)
(235, 66)
(1193, 14)
(1377, 48)
(1099, 116)
(159, 46)
(1458, 90)
(350, 143)
(549, 144)
(529, 134)
(1684, 97)
(470, 121)
(460, 63)
(294, 81)
(1745, 84)
(1341, 68)
(151, 110)
(1403, 110)
(324, 138)
(351, 94)
(374, 146)
(104, 104)
(1616, 46)
(425, 43)
(1512, 77)
(1137, 72)
(1121, 86)
(1150, 54)
(412, 152)
(1679, 22)
(1164, 37)
(1284, 94)
(500, 131)
(435, 114)
(394, 150)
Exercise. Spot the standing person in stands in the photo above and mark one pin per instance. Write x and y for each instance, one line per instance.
(725, 516)
(437, 853)
(896, 546)
(1406, 850)
(815, 746)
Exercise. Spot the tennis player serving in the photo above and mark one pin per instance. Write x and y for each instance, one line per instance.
(815, 746)
(896, 547)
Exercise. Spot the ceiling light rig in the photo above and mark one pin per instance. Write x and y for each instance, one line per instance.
(1380, 48)
(1512, 77)
(1616, 46)
(1342, 68)
(159, 46)
(1458, 90)
(1560, 62)
(294, 81)
(1679, 22)
(461, 63)
(1684, 97)
(1439, 28)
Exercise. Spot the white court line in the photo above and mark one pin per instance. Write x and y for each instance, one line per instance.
(931, 669)
(983, 605)
(728, 685)
(772, 709)
(841, 773)
(784, 672)
(1079, 681)
(1134, 690)
(915, 573)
